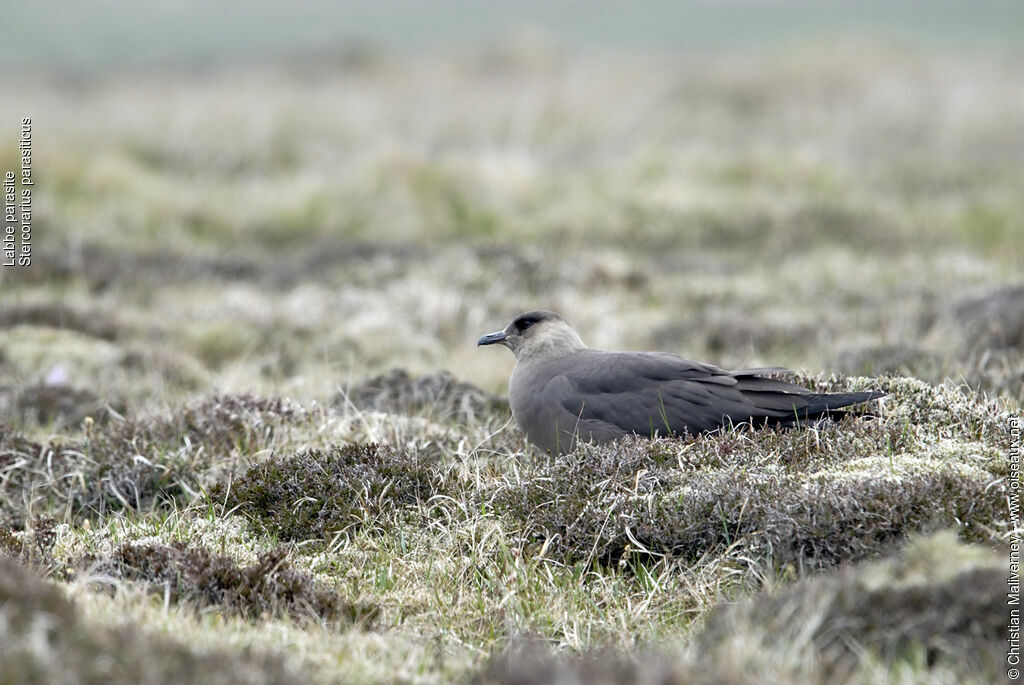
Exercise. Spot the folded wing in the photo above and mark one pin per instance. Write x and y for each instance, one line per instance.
(653, 392)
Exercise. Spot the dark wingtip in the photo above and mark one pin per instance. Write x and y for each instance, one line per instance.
(846, 399)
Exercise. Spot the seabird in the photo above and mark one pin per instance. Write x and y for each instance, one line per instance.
(561, 391)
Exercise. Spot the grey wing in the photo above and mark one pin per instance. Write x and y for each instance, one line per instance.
(649, 393)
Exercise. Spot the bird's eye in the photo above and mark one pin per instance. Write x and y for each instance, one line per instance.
(524, 324)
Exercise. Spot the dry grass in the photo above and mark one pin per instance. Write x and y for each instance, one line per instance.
(341, 236)
(934, 613)
(141, 464)
(466, 540)
(194, 574)
(46, 639)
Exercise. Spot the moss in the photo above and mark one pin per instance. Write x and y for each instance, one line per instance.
(440, 395)
(217, 343)
(993, 320)
(99, 267)
(268, 586)
(316, 494)
(53, 315)
(33, 352)
(34, 547)
(937, 601)
(532, 662)
(935, 611)
(45, 404)
(24, 596)
(885, 359)
(46, 641)
(19, 460)
(791, 497)
(948, 412)
(15, 446)
(219, 423)
(10, 544)
(136, 463)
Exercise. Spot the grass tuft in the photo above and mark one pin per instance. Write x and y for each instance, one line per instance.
(268, 587)
(813, 497)
(317, 494)
(440, 394)
(139, 464)
(936, 601)
(47, 641)
(934, 612)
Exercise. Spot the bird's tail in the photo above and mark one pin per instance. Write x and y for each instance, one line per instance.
(829, 401)
(819, 407)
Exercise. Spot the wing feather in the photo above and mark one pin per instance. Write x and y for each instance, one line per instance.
(637, 392)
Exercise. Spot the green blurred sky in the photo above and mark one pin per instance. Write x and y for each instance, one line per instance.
(104, 33)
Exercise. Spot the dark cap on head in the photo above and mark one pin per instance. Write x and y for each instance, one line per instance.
(519, 325)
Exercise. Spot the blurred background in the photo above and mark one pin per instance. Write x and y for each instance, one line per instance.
(289, 199)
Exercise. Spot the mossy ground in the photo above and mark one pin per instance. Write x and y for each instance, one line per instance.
(438, 545)
(244, 426)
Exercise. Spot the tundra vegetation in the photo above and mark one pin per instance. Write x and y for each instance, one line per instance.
(245, 432)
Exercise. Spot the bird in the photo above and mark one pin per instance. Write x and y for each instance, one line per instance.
(562, 392)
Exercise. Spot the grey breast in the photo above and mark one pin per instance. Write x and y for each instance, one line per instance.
(549, 407)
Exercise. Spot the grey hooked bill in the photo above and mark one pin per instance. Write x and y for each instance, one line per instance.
(491, 338)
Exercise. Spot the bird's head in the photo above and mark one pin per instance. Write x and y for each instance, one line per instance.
(536, 334)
